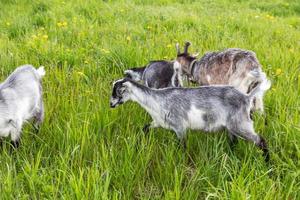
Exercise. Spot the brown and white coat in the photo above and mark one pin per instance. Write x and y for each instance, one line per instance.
(236, 67)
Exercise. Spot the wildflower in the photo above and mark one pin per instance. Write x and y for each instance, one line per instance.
(149, 27)
(62, 24)
(278, 71)
(128, 38)
(256, 16)
(169, 46)
(165, 57)
(291, 50)
(81, 73)
(105, 51)
(270, 17)
(45, 37)
(7, 23)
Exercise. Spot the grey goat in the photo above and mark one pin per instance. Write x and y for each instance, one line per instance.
(20, 100)
(157, 74)
(235, 67)
(207, 108)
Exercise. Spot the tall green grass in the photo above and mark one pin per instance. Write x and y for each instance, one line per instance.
(85, 150)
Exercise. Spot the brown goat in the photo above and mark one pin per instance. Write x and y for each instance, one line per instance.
(236, 67)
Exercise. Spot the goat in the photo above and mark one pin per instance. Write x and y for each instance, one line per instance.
(235, 67)
(207, 108)
(21, 100)
(157, 74)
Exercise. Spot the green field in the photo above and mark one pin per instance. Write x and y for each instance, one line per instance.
(85, 150)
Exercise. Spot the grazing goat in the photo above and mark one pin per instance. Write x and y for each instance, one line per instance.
(207, 108)
(20, 100)
(157, 74)
(235, 67)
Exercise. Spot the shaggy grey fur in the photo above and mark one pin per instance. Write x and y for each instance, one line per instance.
(208, 108)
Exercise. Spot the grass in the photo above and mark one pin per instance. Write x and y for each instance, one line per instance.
(85, 150)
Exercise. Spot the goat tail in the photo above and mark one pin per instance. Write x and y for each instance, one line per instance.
(135, 74)
(261, 88)
(41, 71)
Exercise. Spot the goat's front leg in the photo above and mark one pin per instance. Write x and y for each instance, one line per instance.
(147, 127)
(181, 136)
(232, 139)
(15, 134)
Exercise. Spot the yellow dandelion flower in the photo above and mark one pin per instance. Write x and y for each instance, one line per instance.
(81, 73)
(7, 23)
(59, 24)
(291, 50)
(256, 16)
(278, 71)
(165, 57)
(169, 46)
(64, 23)
(128, 38)
(45, 37)
(149, 27)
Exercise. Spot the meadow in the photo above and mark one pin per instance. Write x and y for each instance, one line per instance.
(85, 150)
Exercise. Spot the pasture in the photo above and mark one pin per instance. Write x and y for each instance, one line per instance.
(86, 150)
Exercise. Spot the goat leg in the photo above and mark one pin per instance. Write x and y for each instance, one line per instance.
(264, 147)
(146, 128)
(232, 140)
(15, 143)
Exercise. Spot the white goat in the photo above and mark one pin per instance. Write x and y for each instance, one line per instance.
(20, 100)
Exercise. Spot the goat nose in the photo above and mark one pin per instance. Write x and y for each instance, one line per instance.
(112, 105)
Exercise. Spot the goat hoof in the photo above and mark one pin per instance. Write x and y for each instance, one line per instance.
(146, 128)
(264, 148)
(15, 144)
(36, 128)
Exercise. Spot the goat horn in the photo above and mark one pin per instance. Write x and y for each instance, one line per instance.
(177, 48)
(186, 46)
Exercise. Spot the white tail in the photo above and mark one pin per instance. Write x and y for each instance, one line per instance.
(41, 71)
(259, 92)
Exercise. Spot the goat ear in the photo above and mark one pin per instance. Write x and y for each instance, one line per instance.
(195, 54)
(177, 48)
(186, 46)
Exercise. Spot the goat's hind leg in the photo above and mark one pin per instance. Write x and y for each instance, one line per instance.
(246, 131)
(38, 117)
